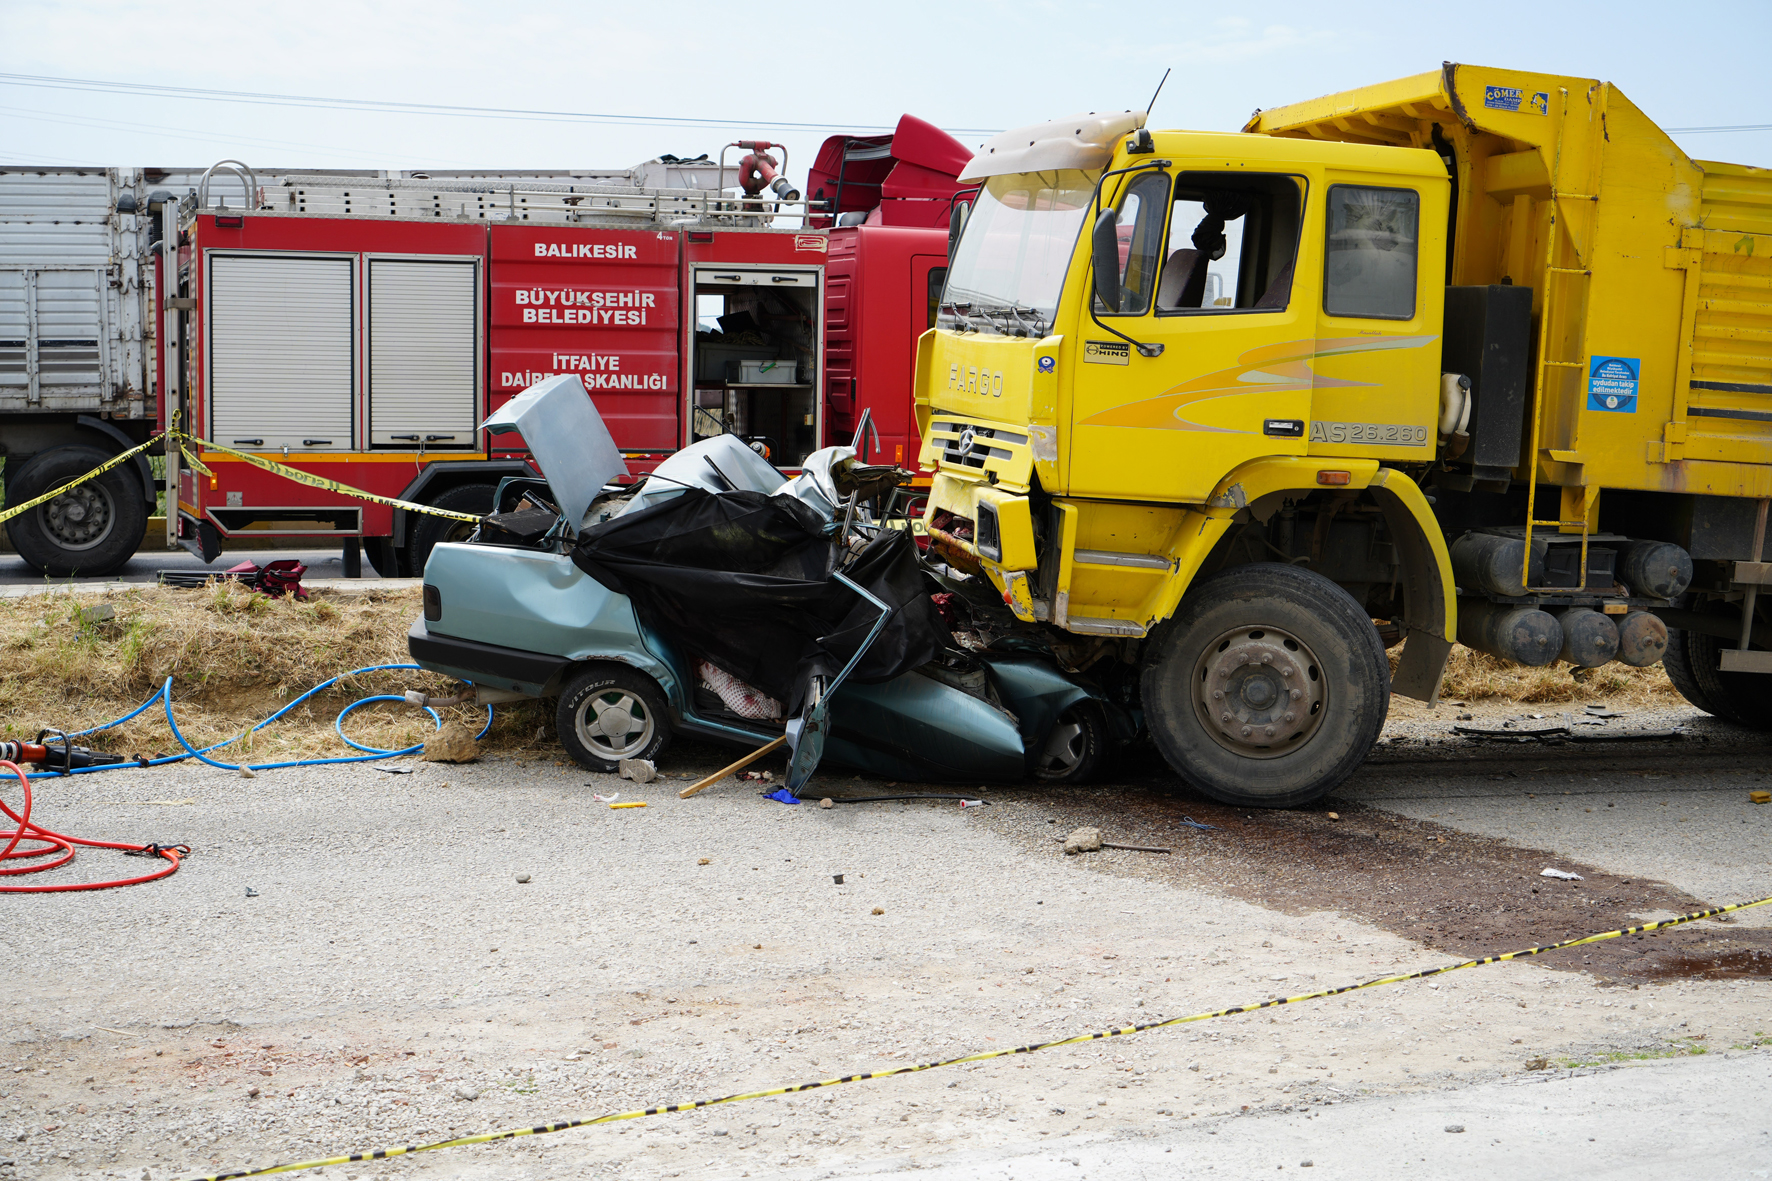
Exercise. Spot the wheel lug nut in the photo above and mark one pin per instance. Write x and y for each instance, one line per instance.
(1285, 672)
(1267, 657)
(1245, 731)
(1270, 731)
(1297, 693)
(1218, 694)
(1291, 717)
(1224, 717)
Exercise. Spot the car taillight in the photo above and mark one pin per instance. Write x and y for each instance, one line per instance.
(433, 603)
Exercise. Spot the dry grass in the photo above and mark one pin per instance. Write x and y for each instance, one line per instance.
(1473, 676)
(234, 657)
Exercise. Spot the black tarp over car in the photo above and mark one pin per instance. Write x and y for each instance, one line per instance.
(742, 580)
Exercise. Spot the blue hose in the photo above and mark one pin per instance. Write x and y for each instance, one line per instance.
(164, 695)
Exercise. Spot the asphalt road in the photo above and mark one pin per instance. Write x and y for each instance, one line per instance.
(389, 980)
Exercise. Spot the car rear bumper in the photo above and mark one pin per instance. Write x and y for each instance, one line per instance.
(485, 664)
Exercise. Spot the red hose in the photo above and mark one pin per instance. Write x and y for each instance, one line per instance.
(54, 841)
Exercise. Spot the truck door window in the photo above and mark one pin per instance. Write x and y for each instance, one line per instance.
(1370, 260)
(1232, 242)
(1141, 243)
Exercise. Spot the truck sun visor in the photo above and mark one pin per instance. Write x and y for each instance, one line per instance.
(561, 426)
(1081, 141)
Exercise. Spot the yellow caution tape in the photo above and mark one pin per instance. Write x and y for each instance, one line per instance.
(100, 470)
(639, 805)
(269, 465)
(541, 1129)
(313, 481)
(195, 464)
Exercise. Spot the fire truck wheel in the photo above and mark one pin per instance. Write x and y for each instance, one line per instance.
(1267, 688)
(608, 713)
(1691, 664)
(90, 529)
(428, 532)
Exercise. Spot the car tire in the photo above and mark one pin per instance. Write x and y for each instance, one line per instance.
(428, 532)
(596, 739)
(93, 529)
(1075, 749)
(1268, 687)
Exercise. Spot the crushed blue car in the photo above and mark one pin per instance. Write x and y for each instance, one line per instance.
(722, 599)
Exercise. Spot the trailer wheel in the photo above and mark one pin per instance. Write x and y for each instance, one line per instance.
(91, 529)
(1691, 664)
(428, 532)
(1268, 687)
(1075, 749)
(608, 713)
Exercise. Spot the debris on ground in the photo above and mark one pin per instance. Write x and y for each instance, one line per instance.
(639, 770)
(1134, 848)
(1083, 840)
(522, 879)
(454, 743)
(826, 803)
(1760, 797)
(1560, 874)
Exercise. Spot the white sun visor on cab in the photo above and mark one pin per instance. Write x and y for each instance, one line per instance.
(1081, 141)
(561, 426)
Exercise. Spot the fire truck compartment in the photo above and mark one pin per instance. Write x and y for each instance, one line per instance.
(755, 327)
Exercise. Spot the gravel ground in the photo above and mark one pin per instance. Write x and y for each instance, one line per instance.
(392, 981)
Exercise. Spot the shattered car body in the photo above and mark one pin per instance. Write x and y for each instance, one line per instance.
(533, 606)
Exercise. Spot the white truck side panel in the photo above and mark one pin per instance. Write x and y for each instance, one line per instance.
(282, 365)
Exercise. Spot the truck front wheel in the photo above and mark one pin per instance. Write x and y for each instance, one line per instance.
(91, 529)
(1691, 664)
(1267, 688)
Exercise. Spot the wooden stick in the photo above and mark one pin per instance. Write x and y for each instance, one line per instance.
(723, 772)
(1133, 848)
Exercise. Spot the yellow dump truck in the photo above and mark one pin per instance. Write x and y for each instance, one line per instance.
(1475, 355)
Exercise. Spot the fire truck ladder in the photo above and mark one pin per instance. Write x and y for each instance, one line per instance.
(1561, 249)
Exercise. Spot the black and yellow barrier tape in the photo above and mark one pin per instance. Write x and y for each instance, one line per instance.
(269, 465)
(12, 511)
(313, 481)
(615, 1117)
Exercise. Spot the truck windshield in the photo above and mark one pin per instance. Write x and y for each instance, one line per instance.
(1009, 267)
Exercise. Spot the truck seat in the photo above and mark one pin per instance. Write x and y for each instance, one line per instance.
(1279, 292)
(1176, 275)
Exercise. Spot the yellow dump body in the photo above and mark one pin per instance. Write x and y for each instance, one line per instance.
(1651, 272)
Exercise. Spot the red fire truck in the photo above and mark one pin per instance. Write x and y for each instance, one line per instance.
(360, 328)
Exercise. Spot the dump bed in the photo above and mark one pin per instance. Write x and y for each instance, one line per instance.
(1651, 272)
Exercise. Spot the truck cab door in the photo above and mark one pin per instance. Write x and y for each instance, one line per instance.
(1209, 262)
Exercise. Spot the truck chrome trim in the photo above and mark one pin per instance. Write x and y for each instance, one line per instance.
(1101, 557)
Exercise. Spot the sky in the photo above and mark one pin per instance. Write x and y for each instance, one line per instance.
(687, 77)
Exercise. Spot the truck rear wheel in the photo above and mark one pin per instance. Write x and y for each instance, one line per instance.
(92, 529)
(1691, 664)
(428, 532)
(1268, 687)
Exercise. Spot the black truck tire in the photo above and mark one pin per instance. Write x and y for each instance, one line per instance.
(428, 532)
(1268, 687)
(607, 713)
(1691, 664)
(92, 529)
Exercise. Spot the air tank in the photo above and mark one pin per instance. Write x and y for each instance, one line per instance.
(1489, 564)
(1524, 635)
(1590, 639)
(1642, 639)
(1657, 569)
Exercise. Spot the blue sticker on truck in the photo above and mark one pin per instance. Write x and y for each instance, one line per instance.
(1612, 384)
(1512, 98)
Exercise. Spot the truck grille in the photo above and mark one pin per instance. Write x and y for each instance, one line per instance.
(968, 444)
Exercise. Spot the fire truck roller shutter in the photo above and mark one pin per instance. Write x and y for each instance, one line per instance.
(423, 376)
(281, 352)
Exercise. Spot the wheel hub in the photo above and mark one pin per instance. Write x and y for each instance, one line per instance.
(615, 724)
(77, 519)
(1259, 691)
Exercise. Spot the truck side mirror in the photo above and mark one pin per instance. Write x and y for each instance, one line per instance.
(1106, 243)
(956, 223)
